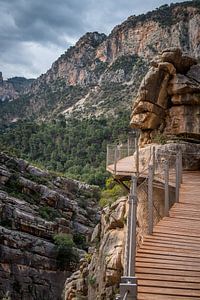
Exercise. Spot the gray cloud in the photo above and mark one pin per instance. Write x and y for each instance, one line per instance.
(33, 33)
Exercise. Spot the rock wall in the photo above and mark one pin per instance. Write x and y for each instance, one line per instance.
(99, 275)
(100, 272)
(168, 100)
(34, 207)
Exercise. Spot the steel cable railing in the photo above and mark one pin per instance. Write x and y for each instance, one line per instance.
(165, 170)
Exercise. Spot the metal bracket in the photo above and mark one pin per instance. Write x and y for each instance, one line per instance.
(128, 284)
(133, 199)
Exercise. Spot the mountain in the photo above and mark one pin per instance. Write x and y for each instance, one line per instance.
(100, 70)
(94, 82)
(11, 88)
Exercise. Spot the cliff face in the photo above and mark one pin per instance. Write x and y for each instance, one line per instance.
(35, 207)
(7, 90)
(97, 66)
(168, 100)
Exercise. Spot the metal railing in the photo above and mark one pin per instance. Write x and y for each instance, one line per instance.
(120, 151)
(166, 170)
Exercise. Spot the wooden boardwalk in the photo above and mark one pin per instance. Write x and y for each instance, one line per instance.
(124, 167)
(168, 262)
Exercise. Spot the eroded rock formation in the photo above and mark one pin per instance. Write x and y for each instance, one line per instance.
(34, 206)
(168, 100)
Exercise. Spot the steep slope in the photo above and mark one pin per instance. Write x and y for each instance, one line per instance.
(39, 214)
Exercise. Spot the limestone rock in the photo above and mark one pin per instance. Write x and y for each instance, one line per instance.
(186, 99)
(34, 206)
(183, 120)
(182, 63)
(168, 100)
(194, 73)
(181, 84)
(106, 261)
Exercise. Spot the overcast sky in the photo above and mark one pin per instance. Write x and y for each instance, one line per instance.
(34, 33)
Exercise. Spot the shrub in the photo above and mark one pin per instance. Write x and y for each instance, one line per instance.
(80, 241)
(48, 213)
(66, 254)
(111, 193)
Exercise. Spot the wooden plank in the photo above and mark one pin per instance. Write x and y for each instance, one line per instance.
(178, 237)
(167, 257)
(153, 270)
(174, 266)
(180, 231)
(164, 277)
(169, 262)
(172, 240)
(167, 284)
(168, 251)
(145, 296)
(172, 245)
(169, 291)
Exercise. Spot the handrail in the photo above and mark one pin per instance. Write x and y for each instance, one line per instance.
(159, 168)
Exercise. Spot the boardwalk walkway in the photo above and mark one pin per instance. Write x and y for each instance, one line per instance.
(168, 262)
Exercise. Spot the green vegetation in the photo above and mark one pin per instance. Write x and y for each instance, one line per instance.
(166, 14)
(92, 280)
(80, 241)
(49, 213)
(66, 254)
(125, 62)
(77, 148)
(111, 193)
(20, 83)
(15, 189)
(160, 139)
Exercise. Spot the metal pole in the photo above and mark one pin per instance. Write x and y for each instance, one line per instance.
(128, 143)
(137, 153)
(181, 166)
(166, 175)
(177, 177)
(107, 156)
(150, 200)
(153, 159)
(115, 160)
(133, 209)
(128, 285)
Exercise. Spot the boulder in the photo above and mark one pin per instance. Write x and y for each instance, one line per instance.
(182, 63)
(181, 84)
(183, 120)
(186, 99)
(194, 73)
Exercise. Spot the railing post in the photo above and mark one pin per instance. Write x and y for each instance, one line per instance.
(128, 143)
(154, 159)
(177, 176)
(150, 200)
(107, 156)
(181, 166)
(115, 160)
(166, 178)
(128, 285)
(137, 153)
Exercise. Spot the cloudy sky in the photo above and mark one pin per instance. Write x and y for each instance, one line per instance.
(34, 33)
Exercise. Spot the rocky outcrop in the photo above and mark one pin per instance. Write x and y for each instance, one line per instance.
(100, 272)
(168, 100)
(7, 90)
(101, 70)
(35, 206)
